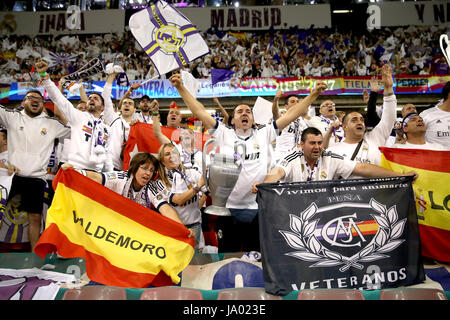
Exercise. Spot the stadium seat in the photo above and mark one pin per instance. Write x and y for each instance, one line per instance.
(412, 294)
(171, 293)
(95, 293)
(330, 294)
(246, 294)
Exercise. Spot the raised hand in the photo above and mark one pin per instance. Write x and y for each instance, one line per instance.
(386, 76)
(41, 66)
(176, 80)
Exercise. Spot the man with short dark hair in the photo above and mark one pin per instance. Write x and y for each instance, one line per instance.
(89, 145)
(146, 106)
(437, 120)
(414, 129)
(240, 232)
(311, 163)
(360, 145)
(289, 136)
(30, 144)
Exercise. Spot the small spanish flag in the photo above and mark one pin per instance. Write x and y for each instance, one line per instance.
(432, 192)
(124, 243)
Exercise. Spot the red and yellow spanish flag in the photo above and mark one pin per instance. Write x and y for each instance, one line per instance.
(142, 139)
(432, 192)
(124, 243)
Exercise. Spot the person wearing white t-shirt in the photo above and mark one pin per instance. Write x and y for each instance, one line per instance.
(31, 136)
(311, 163)
(414, 128)
(289, 136)
(363, 146)
(120, 130)
(327, 122)
(136, 184)
(437, 120)
(89, 144)
(240, 232)
(185, 186)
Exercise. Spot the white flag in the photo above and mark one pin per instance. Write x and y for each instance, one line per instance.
(190, 83)
(262, 111)
(170, 40)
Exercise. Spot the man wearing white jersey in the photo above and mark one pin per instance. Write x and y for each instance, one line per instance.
(327, 122)
(31, 134)
(240, 232)
(289, 136)
(363, 146)
(437, 120)
(119, 126)
(120, 130)
(89, 140)
(311, 163)
(414, 128)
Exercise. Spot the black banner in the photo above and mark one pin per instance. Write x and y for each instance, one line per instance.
(360, 234)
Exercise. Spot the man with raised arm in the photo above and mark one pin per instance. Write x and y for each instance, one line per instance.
(360, 145)
(240, 232)
(89, 134)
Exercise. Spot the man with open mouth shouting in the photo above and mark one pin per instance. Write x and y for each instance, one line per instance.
(240, 232)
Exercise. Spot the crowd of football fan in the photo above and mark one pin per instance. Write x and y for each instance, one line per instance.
(303, 144)
(294, 52)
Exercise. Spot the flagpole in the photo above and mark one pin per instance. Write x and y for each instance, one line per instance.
(148, 80)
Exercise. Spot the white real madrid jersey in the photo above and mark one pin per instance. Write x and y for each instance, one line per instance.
(438, 126)
(189, 212)
(329, 166)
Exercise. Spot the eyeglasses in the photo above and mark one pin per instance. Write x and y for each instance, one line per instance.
(329, 105)
(33, 98)
(151, 170)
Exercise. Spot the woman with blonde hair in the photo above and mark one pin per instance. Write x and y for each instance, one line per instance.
(185, 185)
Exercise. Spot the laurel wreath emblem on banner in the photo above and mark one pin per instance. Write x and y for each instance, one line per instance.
(302, 238)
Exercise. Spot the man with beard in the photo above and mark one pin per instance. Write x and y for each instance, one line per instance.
(89, 146)
(146, 106)
(31, 134)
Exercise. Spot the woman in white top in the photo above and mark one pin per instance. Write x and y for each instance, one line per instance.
(185, 185)
(137, 184)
